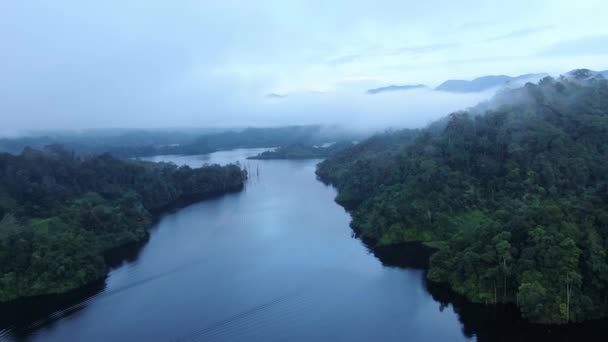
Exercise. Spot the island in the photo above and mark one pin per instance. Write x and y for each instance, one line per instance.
(303, 151)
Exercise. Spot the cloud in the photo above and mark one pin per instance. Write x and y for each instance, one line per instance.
(521, 33)
(474, 24)
(377, 53)
(157, 63)
(275, 96)
(477, 60)
(343, 59)
(354, 109)
(359, 79)
(584, 46)
(425, 48)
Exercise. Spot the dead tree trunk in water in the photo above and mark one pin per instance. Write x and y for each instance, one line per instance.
(568, 292)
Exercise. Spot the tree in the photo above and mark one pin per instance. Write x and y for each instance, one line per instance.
(513, 193)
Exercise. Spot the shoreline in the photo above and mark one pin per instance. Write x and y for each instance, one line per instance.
(119, 253)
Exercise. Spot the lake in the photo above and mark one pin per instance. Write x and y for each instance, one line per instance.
(275, 262)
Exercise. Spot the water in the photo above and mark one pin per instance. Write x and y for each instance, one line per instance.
(275, 262)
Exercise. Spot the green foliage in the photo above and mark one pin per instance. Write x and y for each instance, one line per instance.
(303, 151)
(514, 193)
(150, 143)
(61, 213)
(358, 170)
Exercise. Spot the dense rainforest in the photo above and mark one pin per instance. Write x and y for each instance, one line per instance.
(513, 194)
(302, 151)
(141, 143)
(59, 213)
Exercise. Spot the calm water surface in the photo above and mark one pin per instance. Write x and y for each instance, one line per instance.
(275, 262)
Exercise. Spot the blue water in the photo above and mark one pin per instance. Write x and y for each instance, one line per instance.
(275, 262)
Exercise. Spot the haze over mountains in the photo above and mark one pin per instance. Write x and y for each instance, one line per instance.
(450, 96)
(486, 82)
(357, 106)
(478, 84)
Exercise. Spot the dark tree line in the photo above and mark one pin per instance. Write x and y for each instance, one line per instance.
(59, 213)
(303, 151)
(513, 194)
(141, 143)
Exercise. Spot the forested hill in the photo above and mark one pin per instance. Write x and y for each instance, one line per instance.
(301, 151)
(60, 213)
(141, 143)
(513, 194)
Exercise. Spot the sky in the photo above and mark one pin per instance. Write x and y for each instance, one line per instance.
(72, 64)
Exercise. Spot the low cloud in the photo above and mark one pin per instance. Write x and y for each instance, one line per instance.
(425, 48)
(275, 96)
(351, 108)
(152, 63)
(520, 33)
(343, 60)
(584, 46)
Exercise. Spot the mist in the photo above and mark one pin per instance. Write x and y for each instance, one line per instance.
(156, 64)
(350, 109)
(363, 112)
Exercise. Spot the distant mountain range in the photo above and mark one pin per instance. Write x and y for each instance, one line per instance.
(463, 86)
(486, 83)
(473, 86)
(476, 85)
(395, 88)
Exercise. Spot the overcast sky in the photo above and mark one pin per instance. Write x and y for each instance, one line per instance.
(148, 63)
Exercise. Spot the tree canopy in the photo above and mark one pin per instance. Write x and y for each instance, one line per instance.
(59, 213)
(303, 151)
(513, 193)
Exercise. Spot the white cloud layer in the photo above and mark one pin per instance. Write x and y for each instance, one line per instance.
(114, 63)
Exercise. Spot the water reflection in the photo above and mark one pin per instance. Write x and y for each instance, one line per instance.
(23, 317)
(495, 323)
(276, 261)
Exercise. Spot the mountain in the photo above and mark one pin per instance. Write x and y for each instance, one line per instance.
(513, 199)
(521, 80)
(476, 85)
(583, 75)
(395, 88)
(486, 83)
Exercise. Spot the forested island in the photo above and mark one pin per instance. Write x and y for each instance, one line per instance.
(59, 213)
(513, 194)
(303, 151)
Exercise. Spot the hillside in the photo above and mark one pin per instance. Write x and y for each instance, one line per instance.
(59, 213)
(514, 196)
